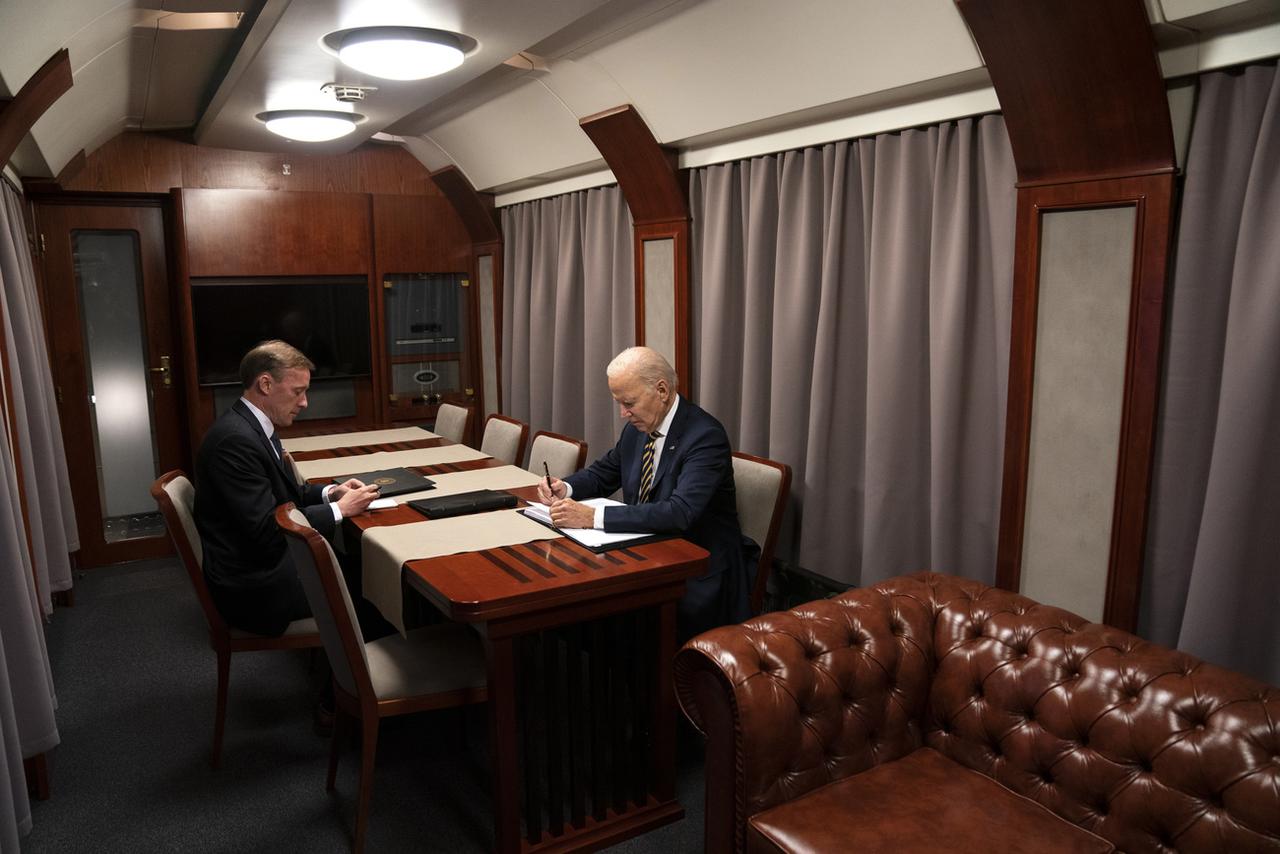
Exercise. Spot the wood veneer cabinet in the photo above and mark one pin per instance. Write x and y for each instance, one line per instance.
(231, 233)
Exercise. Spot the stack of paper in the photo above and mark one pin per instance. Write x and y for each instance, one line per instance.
(589, 537)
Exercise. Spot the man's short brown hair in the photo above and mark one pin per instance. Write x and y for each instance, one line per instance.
(271, 357)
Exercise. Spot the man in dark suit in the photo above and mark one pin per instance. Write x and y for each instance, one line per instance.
(675, 469)
(242, 476)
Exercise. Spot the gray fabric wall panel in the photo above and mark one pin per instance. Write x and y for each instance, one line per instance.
(1212, 576)
(660, 296)
(488, 338)
(1082, 331)
(568, 308)
(851, 311)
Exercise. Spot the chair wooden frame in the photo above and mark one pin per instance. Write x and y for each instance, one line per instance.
(364, 706)
(221, 640)
(521, 446)
(775, 522)
(582, 446)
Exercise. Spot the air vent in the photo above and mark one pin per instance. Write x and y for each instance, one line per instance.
(347, 94)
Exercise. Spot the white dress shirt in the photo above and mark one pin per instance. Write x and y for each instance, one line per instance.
(270, 429)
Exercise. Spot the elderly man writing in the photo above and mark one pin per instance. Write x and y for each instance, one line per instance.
(674, 467)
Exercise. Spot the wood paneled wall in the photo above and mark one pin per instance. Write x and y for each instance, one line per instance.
(157, 162)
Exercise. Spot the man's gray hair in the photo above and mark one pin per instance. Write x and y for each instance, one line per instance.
(271, 357)
(646, 364)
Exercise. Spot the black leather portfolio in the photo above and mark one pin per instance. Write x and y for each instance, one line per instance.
(392, 481)
(463, 503)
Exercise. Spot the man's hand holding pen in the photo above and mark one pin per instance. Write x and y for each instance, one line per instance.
(565, 512)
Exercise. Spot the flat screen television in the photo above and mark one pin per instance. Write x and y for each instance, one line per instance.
(327, 318)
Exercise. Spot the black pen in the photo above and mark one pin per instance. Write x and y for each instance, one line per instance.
(547, 469)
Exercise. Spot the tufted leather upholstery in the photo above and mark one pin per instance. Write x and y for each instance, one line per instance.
(1145, 747)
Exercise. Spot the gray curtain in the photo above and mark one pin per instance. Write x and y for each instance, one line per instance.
(568, 306)
(39, 433)
(851, 308)
(1212, 579)
(27, 703)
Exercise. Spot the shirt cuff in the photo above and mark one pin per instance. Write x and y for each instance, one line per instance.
(333, 505)
(598, 524)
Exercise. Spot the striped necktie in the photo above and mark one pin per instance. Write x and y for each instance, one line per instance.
(646, 467)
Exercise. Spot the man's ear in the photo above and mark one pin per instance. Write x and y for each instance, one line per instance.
(664, 391)
(263, 383)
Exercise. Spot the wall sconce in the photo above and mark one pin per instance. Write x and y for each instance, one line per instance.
(310, 125)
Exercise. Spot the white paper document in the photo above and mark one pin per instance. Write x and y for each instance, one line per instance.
(589, 537)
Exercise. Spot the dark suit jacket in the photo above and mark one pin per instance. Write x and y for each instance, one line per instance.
(693, 496)
(239, 483)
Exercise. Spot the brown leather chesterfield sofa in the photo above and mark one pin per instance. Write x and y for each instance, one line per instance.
(933, 713)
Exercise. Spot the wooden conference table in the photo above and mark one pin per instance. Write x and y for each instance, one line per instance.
(581, 710)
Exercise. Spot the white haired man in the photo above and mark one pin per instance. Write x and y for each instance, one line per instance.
(674, 467)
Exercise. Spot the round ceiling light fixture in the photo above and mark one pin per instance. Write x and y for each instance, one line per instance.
(310, 125)
(399, 53)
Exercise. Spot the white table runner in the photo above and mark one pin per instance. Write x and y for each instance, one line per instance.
(387, 460)
(384, 551)
(356, 440)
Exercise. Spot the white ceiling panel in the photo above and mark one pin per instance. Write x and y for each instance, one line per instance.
(183, 66)
(96, 107)
(290, 68)
(723, 63)
(527, 131)
(34, 30)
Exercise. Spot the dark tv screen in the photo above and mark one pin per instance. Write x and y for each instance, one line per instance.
(325, 318)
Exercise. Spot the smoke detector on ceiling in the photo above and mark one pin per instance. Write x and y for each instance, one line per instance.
(347, 94)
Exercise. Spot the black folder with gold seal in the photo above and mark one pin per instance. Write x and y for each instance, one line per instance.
(392, 481)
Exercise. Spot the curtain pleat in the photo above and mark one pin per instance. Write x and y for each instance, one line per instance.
(851, 308)
(27, 701)
(1212, 577)
(568, 307)
(50, 510)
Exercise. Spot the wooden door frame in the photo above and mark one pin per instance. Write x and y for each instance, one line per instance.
(66, 362)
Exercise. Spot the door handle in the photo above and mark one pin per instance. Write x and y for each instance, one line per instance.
(166, 376)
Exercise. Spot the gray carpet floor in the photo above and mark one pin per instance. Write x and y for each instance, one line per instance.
(135, 681)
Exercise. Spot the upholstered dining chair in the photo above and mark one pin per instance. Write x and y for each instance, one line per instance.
(563, 454)
(762, 488)
(452, 422)
(175, 496)
(430, 668)
(504, 439)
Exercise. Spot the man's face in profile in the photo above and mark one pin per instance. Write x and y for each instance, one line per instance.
(285, 397)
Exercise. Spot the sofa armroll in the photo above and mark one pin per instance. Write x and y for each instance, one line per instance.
(793, 700)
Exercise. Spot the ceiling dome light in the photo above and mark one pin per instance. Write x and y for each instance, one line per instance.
(399, 53)
(310, 125)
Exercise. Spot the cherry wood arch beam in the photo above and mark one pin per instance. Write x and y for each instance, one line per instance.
(1084, 104)
(1079, 85)
(474, 209)
(36, 96)
(648, 175)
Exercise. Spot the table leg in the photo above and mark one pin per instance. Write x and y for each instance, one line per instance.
(503, 744)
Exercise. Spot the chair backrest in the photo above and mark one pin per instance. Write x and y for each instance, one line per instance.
(504, 439)
(176, 498)
(762, 488)
(330, 601)
(563, 454)
(452, 422)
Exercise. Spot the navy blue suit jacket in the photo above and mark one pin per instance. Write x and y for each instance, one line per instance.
(693, 496)
(239, 483)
